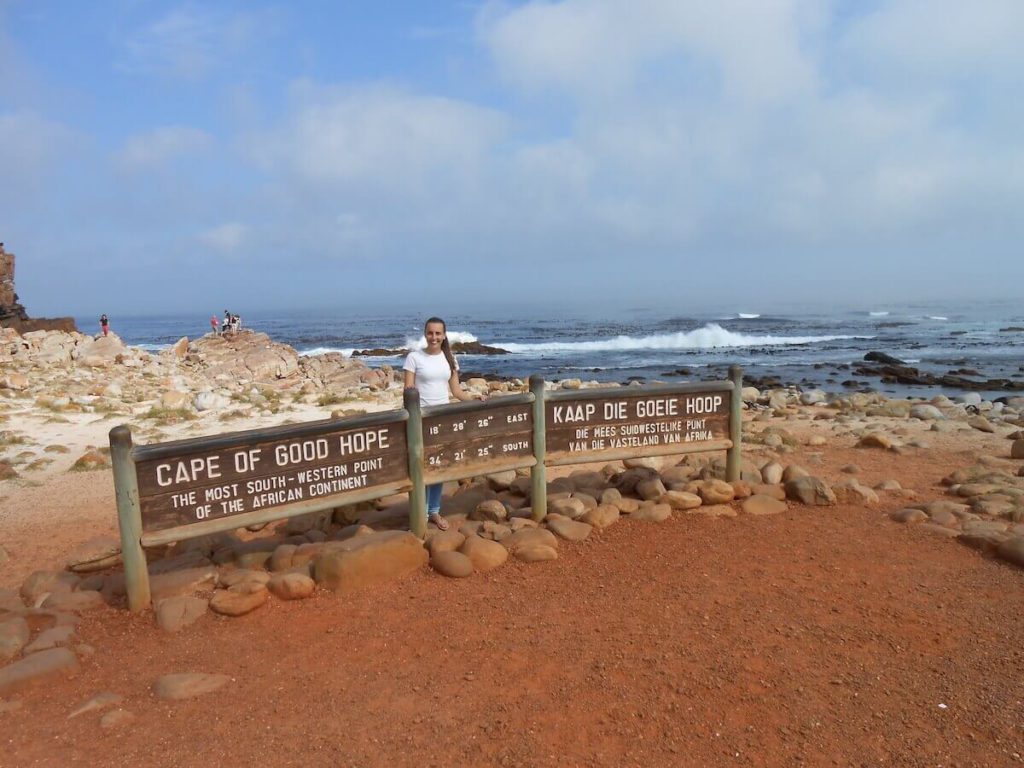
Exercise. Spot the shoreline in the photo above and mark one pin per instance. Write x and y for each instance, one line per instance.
(60, 393)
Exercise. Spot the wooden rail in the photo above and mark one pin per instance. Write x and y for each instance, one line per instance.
(178, 490)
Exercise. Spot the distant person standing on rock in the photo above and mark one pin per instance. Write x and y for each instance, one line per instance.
(213, 324)
(104, 324)
(434, 372)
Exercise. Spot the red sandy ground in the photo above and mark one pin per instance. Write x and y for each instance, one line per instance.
(815, 637)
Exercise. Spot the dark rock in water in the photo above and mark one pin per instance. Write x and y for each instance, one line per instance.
(678, 372)
(881, 357)
(1012, 329)
(379, 352)
(958, 333)
(476, 348)
(964, 372)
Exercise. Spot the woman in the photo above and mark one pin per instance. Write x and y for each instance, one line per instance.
(104, 324)
(434, 372)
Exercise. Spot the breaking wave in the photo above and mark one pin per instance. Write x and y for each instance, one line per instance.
(710, 336)
(878, 314)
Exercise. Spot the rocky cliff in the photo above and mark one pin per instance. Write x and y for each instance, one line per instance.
(13, 314)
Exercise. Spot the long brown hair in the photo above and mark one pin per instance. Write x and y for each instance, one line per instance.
(445, 346)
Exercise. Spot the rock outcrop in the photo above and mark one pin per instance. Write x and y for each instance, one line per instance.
(13, 314)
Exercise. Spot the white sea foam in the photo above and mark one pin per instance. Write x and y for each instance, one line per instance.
(324, 350)
(454, 337)
(153, 347)
(878, 314)
(746, 316)
(710, 336)
(937, 317)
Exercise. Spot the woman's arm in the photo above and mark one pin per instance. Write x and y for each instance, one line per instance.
(458, 391)
(410, 379)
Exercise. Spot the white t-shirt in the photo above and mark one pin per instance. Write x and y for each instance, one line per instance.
(432, 375)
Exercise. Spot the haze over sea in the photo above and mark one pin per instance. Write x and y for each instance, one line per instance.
(805, 345)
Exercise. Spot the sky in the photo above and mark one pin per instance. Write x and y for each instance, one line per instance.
(176, 156)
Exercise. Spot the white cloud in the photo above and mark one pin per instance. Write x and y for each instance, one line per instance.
(378, 136)
(943, 36)
(595, 47)
(226, 238)
(190, 41)
(159, 147)
(31, 150)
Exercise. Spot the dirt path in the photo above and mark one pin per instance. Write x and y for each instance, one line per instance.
(815, 637)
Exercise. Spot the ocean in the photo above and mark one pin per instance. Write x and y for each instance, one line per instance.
(809, 347)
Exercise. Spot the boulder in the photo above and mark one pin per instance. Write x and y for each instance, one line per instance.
(530, 537)
(349, 565)
(175, 613)
(489, 509)
(715, 492)
(94, 555)
(760, 505)
(652, 513)
(852, 492)
(452, 564)
(54, 637)
(810, 491)
(875, 440)
(601, 516)
(39, 583)
(680, 500)
(1012, 551)
(536, 554)
(484, 554)
(35, 667)
(908, 515)
(570, 530)
(73, 602)
(1017, 449)
(651, 489)
(714, 510)
(239, 600)
(14, 635)
(184, 582)
(571, 508)
(291, 586)
(445, 541)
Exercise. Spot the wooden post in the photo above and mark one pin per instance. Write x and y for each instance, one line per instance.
(129, 519)
(732, 460)
(538, 473)
(414, 438)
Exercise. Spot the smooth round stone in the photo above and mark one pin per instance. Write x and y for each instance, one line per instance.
(485, 555)
(536, 554)
(681, 500)
(652, 513)
(453, 564)
(570, 530)
(291, 586)
(239, 599)
(445, 541)
(760, 505)
(908, 516)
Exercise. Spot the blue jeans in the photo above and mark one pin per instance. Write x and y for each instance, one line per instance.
(434, 498)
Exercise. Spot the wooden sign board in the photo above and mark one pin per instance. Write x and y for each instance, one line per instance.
(476, 439)
(205, 483)
(636, 423)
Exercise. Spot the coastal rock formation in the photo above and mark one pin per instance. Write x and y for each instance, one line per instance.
(13, 314)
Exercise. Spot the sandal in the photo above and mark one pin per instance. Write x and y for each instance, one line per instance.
(440, 522)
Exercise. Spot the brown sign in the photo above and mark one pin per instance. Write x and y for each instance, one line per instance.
(209, 483)
(628, 421)
(488, 435)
